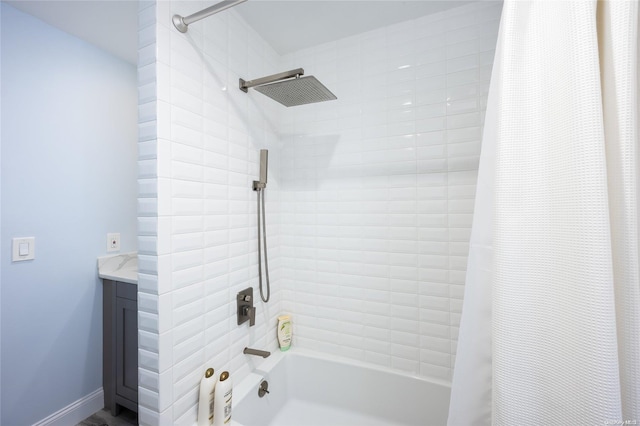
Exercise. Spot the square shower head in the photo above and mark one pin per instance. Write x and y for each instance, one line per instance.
(297, 91)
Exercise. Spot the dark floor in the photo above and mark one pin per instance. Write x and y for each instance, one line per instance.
(104, 418)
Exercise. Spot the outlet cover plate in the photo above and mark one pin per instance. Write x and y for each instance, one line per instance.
(113, 241)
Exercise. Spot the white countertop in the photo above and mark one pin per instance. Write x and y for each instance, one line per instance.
(120, 267)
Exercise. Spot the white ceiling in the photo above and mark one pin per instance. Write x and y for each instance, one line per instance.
(110, 25)
(295, 24)
(287, 25)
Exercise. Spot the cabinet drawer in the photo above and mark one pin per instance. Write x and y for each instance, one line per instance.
(127, 291)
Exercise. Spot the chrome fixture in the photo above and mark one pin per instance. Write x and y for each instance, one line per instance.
(246, 310)
(259, 186)
(289, 88)
(249, 351)
(264, 164)
(264, 388)
(182, 23)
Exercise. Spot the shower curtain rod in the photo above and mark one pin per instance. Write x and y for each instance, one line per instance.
(182, 23)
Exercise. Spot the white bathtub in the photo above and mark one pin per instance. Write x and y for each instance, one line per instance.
(311, 390)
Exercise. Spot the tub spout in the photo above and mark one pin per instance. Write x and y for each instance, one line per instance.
(257, 352)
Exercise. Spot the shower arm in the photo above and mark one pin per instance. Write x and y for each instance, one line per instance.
(182, 23)
(245, 85)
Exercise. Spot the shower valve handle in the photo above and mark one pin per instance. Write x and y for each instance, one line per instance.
(251, 313)
(246, 310)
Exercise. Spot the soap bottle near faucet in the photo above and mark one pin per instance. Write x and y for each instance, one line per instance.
(206, 401)
(222, 400)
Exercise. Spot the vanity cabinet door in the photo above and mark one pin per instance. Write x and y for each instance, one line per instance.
(120, 346)
(127, 349)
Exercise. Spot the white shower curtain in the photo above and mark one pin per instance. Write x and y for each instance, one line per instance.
(550, 329)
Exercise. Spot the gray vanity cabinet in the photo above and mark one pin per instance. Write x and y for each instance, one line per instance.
(120, 346)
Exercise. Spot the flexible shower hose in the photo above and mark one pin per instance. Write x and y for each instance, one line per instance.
(264, 241)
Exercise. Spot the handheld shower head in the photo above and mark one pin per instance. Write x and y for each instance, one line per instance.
(264, 160)
(261, 183)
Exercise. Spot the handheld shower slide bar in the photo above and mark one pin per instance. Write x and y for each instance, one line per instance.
(182, 23)
(259, 186)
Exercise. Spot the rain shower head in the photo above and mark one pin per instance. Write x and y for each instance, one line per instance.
(297, 91)
(290, 89)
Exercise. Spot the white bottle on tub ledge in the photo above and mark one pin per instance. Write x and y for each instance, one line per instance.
(222, 401)
(205, 402)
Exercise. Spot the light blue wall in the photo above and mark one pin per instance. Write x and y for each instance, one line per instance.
(0, 210)
(68, 176)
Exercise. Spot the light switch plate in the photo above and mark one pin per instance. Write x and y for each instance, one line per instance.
(113, 241)
(23, 249)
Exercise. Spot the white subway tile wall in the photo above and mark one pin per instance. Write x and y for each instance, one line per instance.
(198, 154)
(369, 200)
(378, 189)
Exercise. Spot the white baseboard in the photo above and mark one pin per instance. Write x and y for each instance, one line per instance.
(75, 412)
